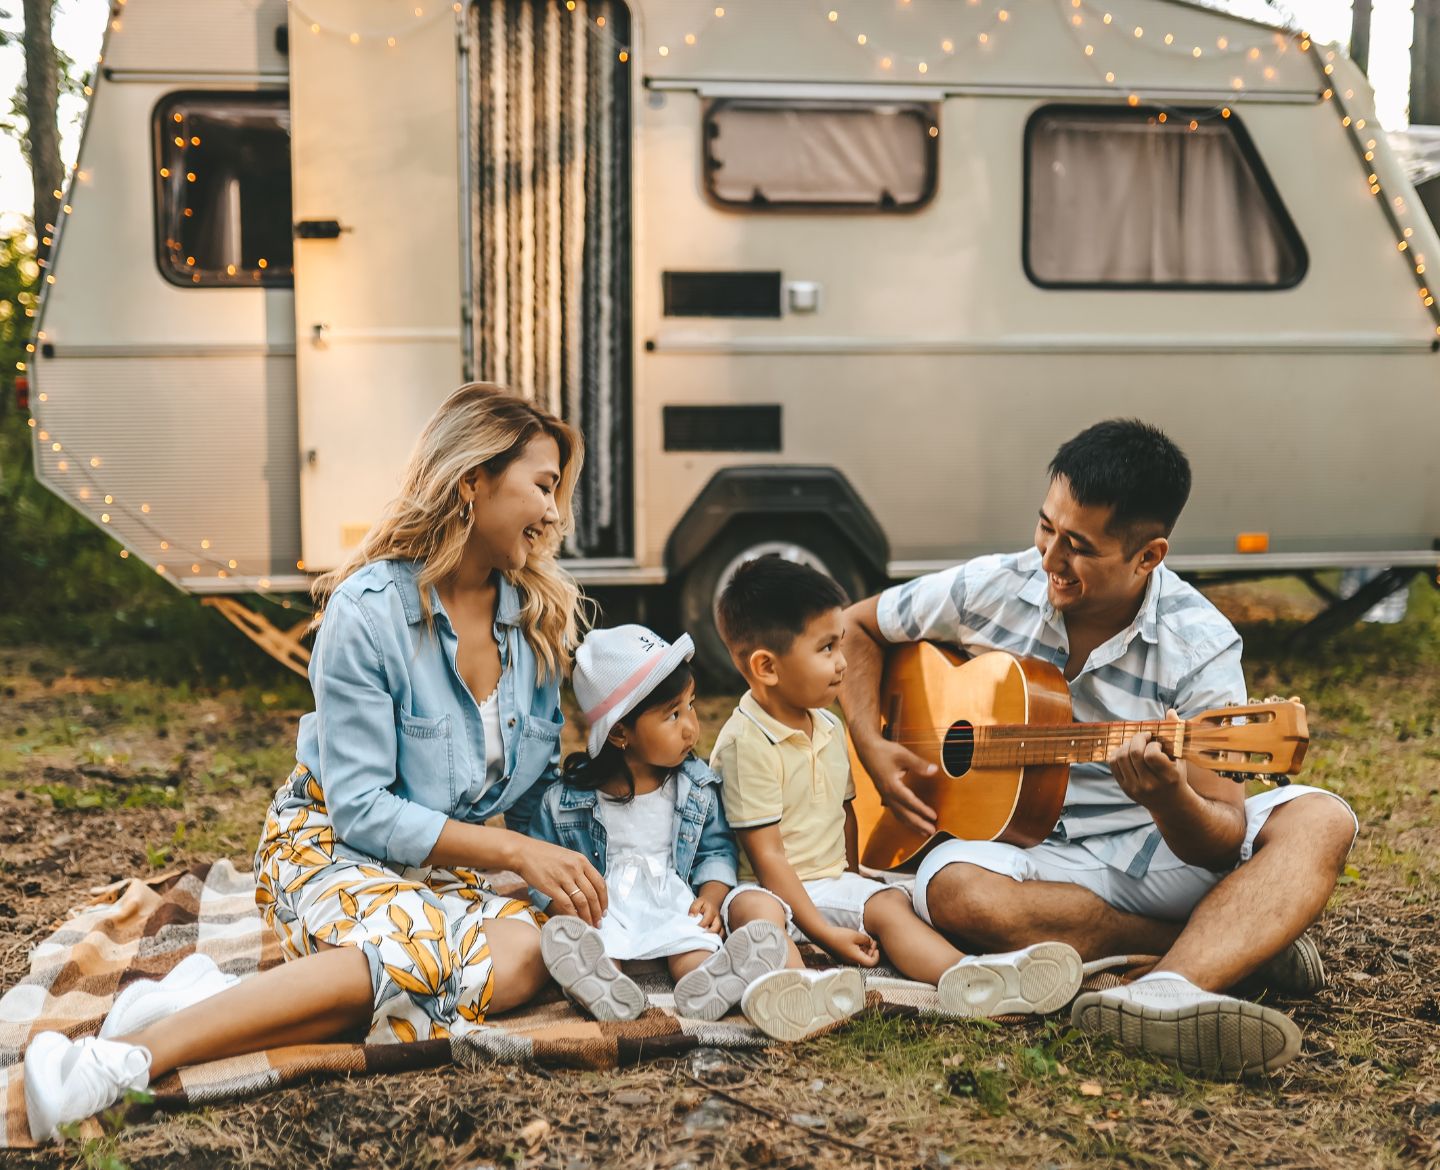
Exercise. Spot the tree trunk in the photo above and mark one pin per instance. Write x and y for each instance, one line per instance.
(1425, 86)
(42, 96)
(1360, 35)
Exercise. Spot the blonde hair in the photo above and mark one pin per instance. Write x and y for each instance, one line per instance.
(486, 426)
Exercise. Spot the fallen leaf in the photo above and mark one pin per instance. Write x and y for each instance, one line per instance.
(1090, 1089)
(535, 1133)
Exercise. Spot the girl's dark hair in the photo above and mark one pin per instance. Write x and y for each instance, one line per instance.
(580, 770)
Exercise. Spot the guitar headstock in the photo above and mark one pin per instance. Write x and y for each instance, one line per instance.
(1260, 740)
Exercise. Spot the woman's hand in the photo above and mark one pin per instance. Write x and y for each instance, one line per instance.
(851, 946)
(572, 883)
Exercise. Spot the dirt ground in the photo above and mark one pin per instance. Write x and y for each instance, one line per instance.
(105, 778)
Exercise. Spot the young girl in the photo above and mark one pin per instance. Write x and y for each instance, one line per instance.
(647, 814)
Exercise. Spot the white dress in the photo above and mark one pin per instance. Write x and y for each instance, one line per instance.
(648, 916)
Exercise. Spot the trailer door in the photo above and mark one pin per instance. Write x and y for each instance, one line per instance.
(378, 268)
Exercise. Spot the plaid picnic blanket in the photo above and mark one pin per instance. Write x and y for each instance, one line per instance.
(143, 929)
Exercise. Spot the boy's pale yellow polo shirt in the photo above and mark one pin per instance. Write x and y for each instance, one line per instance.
(775, 774)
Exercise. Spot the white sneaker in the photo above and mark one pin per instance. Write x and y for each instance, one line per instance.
(1031, 981)
(574, 954)
(1204, 1033)
(794, 1004)
(68, 1080)
(714, 987)
(194, 978)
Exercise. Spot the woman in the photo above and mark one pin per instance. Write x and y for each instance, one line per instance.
(436, 676)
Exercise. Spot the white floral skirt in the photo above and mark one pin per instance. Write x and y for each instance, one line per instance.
(422, 929)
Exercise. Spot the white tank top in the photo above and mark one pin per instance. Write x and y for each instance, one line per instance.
(494, 745)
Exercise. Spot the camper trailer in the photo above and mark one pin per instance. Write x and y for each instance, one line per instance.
(831, 278)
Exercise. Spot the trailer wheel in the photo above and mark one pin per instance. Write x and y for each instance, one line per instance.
(806, 540)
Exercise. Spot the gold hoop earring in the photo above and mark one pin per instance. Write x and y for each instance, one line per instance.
(467, 512)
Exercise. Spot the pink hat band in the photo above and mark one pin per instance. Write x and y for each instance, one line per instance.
(596, 713)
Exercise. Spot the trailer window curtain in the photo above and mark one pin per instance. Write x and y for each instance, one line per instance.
(223, 189)
(1153, 199)
(549, 142)
(856, 157)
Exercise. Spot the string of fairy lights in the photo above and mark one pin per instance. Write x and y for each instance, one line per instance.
(975, 27)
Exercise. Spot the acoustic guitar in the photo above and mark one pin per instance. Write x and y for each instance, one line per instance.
(1000, 729)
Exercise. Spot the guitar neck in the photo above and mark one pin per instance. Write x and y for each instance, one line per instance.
(1001, 745)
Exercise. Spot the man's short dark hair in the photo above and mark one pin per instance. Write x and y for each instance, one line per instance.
(769, 602)
(1132, 467)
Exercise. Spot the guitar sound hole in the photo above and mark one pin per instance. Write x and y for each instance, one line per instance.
(958, 749)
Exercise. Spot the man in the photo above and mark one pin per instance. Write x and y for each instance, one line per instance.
(1144, 857)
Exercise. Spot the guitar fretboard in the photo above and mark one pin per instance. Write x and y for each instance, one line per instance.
(1002, 745)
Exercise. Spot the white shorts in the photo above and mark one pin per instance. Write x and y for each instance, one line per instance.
(1170, 889)
(840, 900)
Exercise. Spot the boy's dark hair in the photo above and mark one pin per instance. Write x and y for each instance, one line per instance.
(581, 770)
(769, 602)
(1133, 467)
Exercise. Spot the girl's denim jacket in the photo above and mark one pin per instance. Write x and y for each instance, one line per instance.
(704, 846)
(396, 740)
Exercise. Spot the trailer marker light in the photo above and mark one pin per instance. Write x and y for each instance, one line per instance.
(1110, 77)
(160, 569)
(1089, 50)
(233, 565)
(204, 544)
(109, 499)
(1252, 542)
(923, 68)
(164, 546)
(391, 41)
(664, 50)
(178, 117)
(1169, 38)
(945, 46)
(104, 517)
(624, 56)
(63, 465)
(194, 568)
(689, 38)
(124, 554)
(56, 447)
(94, 461)
(718, 11)
(31, 421)
(300, 565)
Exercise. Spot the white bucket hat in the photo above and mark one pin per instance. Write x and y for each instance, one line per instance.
(616, 668)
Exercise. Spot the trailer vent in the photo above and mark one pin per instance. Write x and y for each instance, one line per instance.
(722, 294)
(549, 122)
(722, 428)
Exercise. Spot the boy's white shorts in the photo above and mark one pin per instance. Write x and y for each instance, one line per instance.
(840, 900)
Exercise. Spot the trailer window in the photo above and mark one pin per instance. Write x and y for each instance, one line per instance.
(222, 189)
(870, 157)
(1149, 198)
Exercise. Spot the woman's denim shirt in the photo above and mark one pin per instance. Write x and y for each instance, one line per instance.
(395, 739)
(704, 846)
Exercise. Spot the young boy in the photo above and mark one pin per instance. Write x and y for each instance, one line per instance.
(787, 793)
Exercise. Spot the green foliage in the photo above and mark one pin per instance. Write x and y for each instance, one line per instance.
(66, 584)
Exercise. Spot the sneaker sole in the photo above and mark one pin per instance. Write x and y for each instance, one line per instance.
(1042, 979)
(791, 1006)
(574, 954)
(1228, 1038)
(1297, 970)
(714, 987)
